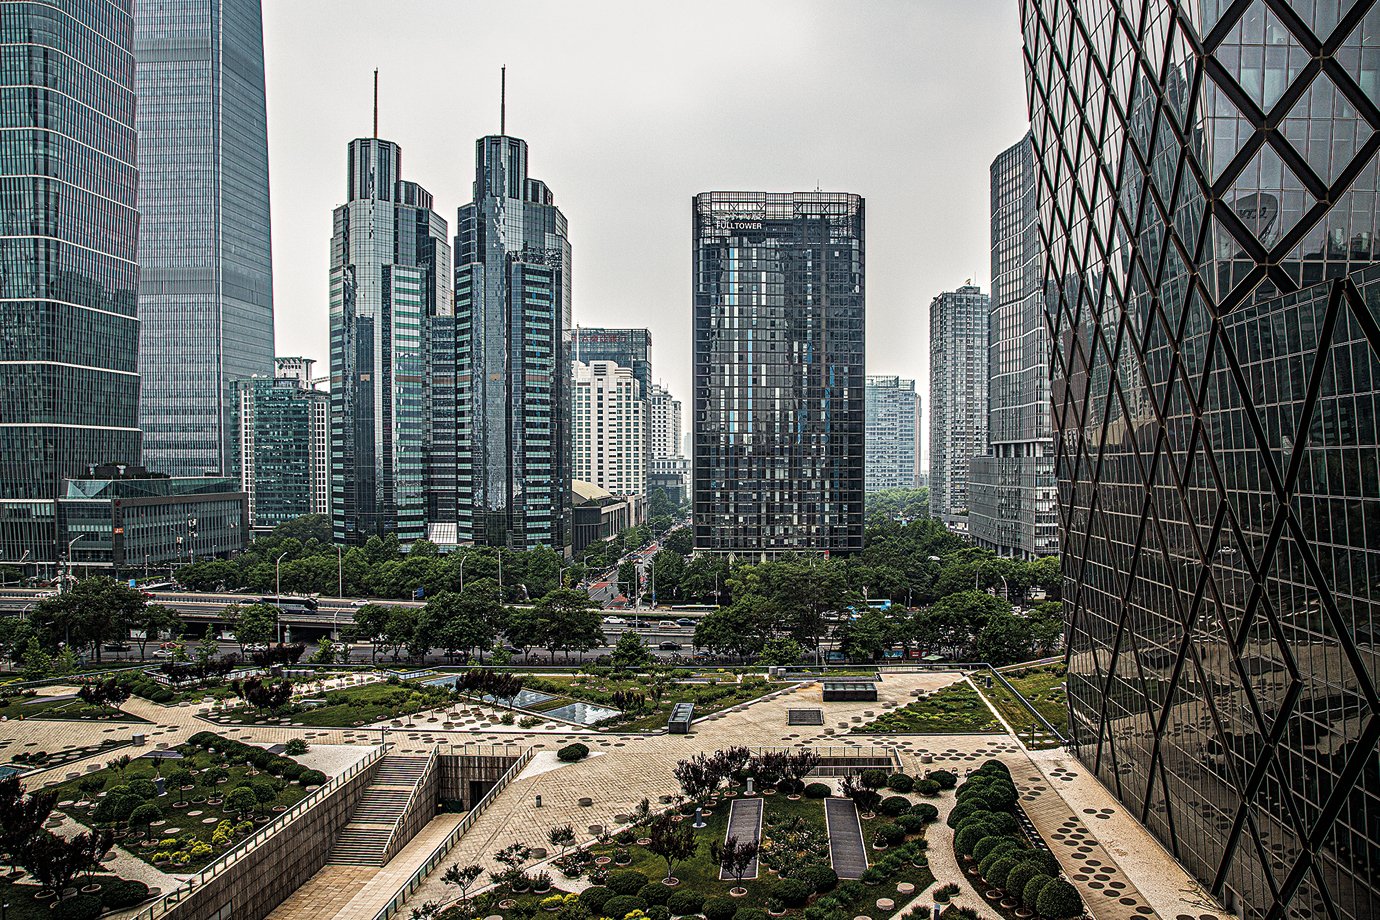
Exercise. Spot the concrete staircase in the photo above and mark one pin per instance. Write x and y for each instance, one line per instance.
(364, 841)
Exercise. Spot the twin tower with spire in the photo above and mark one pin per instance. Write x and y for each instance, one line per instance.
(450, 365)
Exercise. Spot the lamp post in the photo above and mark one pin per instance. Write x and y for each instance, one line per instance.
(463, 554)
(70, 567)
(278, 593)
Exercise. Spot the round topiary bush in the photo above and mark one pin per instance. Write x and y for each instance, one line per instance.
(292, 771)
(925, 812)
(684, 903)
(1042, 860)
(817, 791)
(873, 778)
(959, 812)
(927, 787)
(658, 912)
(1023, 871)
(77, 907)
(819, 877)
(594, 897)
(945, 778)
(719, 908)
(996, 873)
(312, 778)
(1059, 900)
(990, 844)
(619, 906)
(123, 893)
(911, 824)
(968, 837)
(626, 882)
(791, 892)
(899, 782)
(995, 767)
(750, 913)
(1030, 894)
(892, 834)
(894, 805)
(655, 893)
(572, 752)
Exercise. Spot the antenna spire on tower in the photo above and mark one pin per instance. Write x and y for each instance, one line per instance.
(376, 103)
(503, 100)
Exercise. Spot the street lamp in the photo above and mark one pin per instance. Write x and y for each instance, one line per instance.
(463, 554)
(70, 567)
(278, 593)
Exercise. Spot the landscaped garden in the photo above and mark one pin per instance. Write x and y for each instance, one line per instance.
(1016, 878)
(955, 709)
(1043, 687)
(216, 791)
(644, 704)
(270, 702)
(1017, 714)
(97, 701)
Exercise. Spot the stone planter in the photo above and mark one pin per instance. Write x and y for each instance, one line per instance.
(644, 841)
(90, 889)
(992, 895)
(793, 797)
(670, 881)
(604, 861)
(507, 904)
(45, 894)
(1008, 904)
(737, 892)
(769, 792)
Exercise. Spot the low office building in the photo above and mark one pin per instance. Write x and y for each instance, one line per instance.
(125, 516)
(672, 476)
(283, 455)
(599, 514)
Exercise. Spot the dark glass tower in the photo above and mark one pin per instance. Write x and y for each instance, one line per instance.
(780, 405)
(206, 272)
(1204, 169)
(1011, 486)
(630, 348)
(512, 356)
(390, 272)
(69, 337)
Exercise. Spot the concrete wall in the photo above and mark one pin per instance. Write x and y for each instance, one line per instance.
(252, 887)
(456, 771)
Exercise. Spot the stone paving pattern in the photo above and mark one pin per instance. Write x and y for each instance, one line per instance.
(1118, 866)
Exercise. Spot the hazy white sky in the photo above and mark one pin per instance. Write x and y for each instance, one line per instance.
(630, 108)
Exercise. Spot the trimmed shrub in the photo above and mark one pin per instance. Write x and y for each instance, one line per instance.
(594, 897)
(572, 752)
(899, 782)
(945, 778)
(894, 805)
(143, 788)
(77, 907)
(967, 838)
(988, 845)
(121, 893)
(911, 824)
(925, 812)
(1042, 860)
(659, 912)
(1030, 894)
(1023, 871)
(959, 812)
(996, 873)
(1059, 900)
(927, 787)
(819, 877)
(312, 778)
(292, 771)
(750, 913)
(873, 778)
(892, 834)
(817, 791)
(626, 882)
(654, 893)
(685, 902)
(621, 905)
(791, 892)
(719, 908)
(997, 767)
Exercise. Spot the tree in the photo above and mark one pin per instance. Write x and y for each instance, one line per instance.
(1059, 900)
(241, 800)
(94, 611)
(147, 813)
(864, 637)
(903, 505)
(672, 840)
(151, 621)
(401, 630)
(207, 648)
(629, 580)
(569, 621)
(562, 835)
(466, 621)
(462, 877)
(1005, 638)
(253, 624)
(780, 651)
(370, 625)
(21, 817)
(742, 628)
(734, 856)
(631, 653)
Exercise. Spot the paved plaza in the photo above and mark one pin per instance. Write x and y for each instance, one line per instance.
(1120, 869)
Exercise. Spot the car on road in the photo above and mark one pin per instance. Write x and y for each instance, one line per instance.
(615, 621)
(670, 646)
(115, 647)
(163, 653)
(685, 621)
(667, 624)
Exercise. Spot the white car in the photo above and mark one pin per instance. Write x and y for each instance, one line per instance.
(615, 621)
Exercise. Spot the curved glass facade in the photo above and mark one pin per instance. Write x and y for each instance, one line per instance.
(1204, 168)
(69, 384)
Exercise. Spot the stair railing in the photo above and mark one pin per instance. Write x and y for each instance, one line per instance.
(432, 760)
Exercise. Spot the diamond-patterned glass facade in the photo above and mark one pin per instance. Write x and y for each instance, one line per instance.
(1208, 201)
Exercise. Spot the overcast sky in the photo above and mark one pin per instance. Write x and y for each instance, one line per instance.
(630, 108)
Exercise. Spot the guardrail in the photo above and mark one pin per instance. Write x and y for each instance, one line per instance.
(1028, 706)
(415, 880)
(392, 847)
(168, 902)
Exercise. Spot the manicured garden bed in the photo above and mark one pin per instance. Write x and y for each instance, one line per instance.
(711, 696)
(113, 893)
(1043, 687)
(204, 812)
(955, 709)
(68, 708)
(348, 706)
(1030, 730)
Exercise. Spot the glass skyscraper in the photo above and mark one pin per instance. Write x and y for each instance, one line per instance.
(283, 447)
(390, 273)
(630, 348)
(512, 356)
(779, 404)
(893, 434)
(958, 397)
(1011, 487)
(69, 383)
(206, 275)
(1208, 200)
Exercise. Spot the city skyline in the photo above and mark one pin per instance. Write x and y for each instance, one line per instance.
(676, 136)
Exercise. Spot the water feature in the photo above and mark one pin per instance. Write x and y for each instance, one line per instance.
(583, 713)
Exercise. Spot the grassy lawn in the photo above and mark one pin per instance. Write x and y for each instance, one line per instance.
(348, 706)
(1043, 688)
(73, 709)
(184, 838)
(956, 708)
(1014, 711)
(708, 697)
(802, 822)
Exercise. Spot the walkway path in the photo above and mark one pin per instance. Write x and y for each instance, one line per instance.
(744, 824)
(847, 854)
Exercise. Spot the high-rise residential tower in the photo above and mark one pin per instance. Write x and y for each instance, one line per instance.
(893, 434)
(778, 367)
(1011, 487)
(608, 428)
(283, 460)
(206, 273)
(630, 348)
(512, 356)
(1208, 195)
(663, 422)
(69, 382)
(958, 397)
(390, 273)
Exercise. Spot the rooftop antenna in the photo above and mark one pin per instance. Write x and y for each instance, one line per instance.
(376, 103)
(503, 100)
